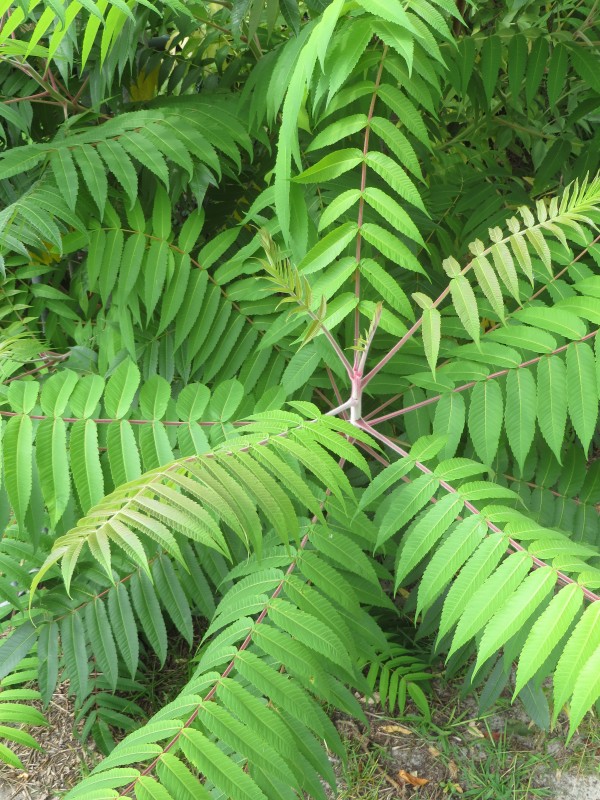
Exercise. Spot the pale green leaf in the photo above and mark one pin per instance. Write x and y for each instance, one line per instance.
(483, 603)
(465, 303)
(547, 631)
(515, 611)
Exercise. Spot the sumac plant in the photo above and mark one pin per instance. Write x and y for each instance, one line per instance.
(299, 308)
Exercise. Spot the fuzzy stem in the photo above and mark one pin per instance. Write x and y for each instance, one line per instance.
(333, 412)
(356, 398)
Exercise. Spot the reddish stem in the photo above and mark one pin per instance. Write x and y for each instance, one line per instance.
(28, 97)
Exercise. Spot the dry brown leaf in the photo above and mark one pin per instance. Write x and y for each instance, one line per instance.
(433, 751)
(453, 770)
(474, 730)
(395, 729)
(408, 777)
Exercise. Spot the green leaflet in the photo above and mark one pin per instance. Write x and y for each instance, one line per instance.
(582, 391)
(580, 647)
(346, 554)
(121, 388)
(553, 319)
(516, 62)
(392, 212)
(384, 480)
(178, 779)
(147, 788)
(51, 452)
(520, 412)
(123, 454)
(148, 612)
(65, 173)
(390, 247)
(328, 248)
(431, 336)
(222, 771)
(328, 579)
(144, 151)
(386, 286)
(119, 163)
(73, 642)
(395, 177)
(405, 502)
(485, 419)
(337, 207)
(486, 277)
(312, 632)
(155, 447)
(536, 65)
(552, 402)
(402, 148)
(454, 468)
(157, 259)
(93, 174)
(348, 49)
(557, 72)
(491, 55)
(124, 626)
(235, 733)
(586, 690)
(524, 337)
(479, 566)
(521, 254)
(17, 455)
(15, 648)
(47, 649)
(455, 549)
(101, 639)
(102, 783)
(56, 392)
(331, 166)
(465, 303)
(422, 536)
(338, 130)
(272, 727)
(505, 267)
(515, 612)
(481, 606)
(405, 110)
(449, 420)
(547, 632)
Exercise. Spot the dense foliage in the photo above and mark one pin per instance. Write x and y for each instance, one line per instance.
(298, 338)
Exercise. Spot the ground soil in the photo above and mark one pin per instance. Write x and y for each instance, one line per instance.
(58, 765)
(459, 755)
